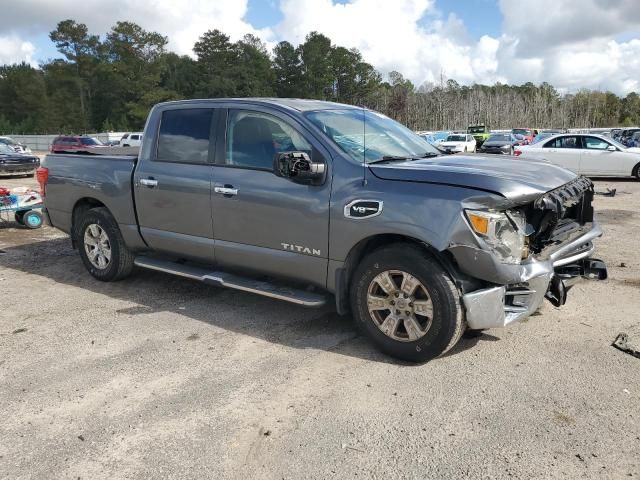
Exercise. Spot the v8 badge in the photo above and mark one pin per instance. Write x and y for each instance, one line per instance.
(360, 209)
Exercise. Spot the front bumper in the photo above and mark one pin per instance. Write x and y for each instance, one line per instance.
(525, 286)
(8, 169)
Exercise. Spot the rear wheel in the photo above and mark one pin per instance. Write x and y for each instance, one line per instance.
(405, 302)
(102, 247)
(19, 216)
(636, 172)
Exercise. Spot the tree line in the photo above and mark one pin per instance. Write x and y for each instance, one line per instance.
(110, 83)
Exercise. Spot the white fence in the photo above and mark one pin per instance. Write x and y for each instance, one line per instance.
(41, 142)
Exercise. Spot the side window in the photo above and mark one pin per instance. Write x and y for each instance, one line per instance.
(184, 135)
(594, 143)
(563, 142)
(135, 137)
(253, 138)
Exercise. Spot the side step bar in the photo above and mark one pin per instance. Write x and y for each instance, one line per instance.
(228, 280)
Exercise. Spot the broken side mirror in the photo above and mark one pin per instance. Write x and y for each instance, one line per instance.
(299, 167)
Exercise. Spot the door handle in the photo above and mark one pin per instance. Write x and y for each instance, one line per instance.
(149, 182)
(226, 190)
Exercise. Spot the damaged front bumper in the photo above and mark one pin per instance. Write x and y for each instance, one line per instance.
(522, 288)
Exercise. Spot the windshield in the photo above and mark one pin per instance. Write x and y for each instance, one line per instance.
(479, 129)
(384, 137)
(456, 138)
(6, 149)
(90, 141)
(499, 138)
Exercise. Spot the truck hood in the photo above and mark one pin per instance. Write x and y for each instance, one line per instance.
(516, 179)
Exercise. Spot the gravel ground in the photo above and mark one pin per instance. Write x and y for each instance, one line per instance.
(159, 377)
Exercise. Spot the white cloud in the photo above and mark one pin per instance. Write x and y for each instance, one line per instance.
(15, 50)
(182, 22)
(568, 45)
(391, 36)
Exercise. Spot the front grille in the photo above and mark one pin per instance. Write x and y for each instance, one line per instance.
(560, 212)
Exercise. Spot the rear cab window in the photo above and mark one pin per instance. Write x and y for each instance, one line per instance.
(184, 135)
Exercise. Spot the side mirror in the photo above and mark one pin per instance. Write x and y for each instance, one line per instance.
(298, 167)
(611, 148)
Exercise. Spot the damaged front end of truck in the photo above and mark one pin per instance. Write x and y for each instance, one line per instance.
(526, 253)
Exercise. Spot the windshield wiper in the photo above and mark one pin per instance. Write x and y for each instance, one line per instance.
(391, 158)
(430, 155)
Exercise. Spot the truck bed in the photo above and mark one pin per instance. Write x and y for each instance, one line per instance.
(105, 178)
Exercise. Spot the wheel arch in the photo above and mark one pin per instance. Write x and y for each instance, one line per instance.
(79, 209)
(635, 172)
(367, 245)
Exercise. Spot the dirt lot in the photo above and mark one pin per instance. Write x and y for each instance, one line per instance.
(159, 377)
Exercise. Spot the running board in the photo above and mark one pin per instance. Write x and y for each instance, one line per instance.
(228, 280)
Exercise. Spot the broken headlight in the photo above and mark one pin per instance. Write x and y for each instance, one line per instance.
(503, 232)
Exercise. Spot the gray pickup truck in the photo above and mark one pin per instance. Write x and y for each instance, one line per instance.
(298, 199)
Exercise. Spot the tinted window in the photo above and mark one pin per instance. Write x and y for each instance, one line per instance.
(90, 141)
(135, 137)
(594, 143)
(253, 138)
(563, 142)
(184, 135)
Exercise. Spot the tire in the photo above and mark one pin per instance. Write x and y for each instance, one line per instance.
(32, 219)
(19, 217)
(98, 232)
(465, 149)
(636, 172)
(437, 332)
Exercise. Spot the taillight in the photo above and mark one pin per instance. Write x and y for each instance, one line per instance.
(517, 152)
(42, 174)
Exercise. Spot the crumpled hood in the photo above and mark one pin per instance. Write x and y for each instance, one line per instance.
(514, 178)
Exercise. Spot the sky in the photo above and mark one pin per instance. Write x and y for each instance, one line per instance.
(572, 44)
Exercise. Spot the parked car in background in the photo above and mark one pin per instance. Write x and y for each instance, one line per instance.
(594, 155)
(501, 143)
(17, 147)
(526, 133)
(14, 163)
(458, 142)
(131, 139)
(615, 133)
(74, 143)
(479, 132)
(627, 134)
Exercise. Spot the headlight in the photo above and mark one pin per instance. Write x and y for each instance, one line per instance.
(503, 232)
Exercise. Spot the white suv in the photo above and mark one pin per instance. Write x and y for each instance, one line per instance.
(131, 139)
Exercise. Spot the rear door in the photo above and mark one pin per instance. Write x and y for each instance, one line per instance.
(173, 185)
(262, 222)
(563, 151)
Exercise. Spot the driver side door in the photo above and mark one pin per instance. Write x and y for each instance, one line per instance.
(262, 222)
(598, 160)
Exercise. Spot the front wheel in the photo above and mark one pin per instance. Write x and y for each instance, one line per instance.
(102, 247)
(406, 303)
(636, 172)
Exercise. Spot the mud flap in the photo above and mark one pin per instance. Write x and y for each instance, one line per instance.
(557, 292)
